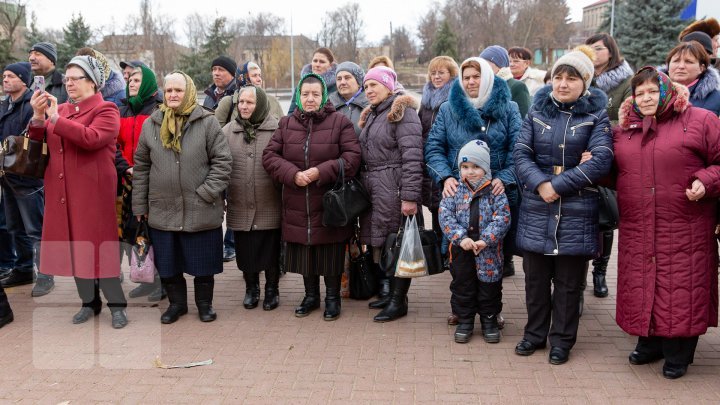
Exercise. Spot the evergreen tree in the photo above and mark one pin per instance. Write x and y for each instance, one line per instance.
(646, 30)
(197, 63)
(76, 35)
(446, 42)
(33, 34)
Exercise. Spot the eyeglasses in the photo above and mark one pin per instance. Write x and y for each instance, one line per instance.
(439, 73)
(598, 48)
(70, 79)
(516, 61)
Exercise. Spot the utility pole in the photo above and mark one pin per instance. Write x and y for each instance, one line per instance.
(392, 50)
(292, 59)
(612, 17)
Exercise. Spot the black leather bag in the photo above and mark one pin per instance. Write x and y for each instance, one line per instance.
(363, 280)
(23, 156)
(430, 245)
(345, 201)
(609, 214)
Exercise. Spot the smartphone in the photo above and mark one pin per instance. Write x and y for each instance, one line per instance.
(38, 84)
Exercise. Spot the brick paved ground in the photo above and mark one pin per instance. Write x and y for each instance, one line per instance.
(273, 357)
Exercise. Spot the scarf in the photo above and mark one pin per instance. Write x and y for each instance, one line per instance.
(262, 110)
(432, 97)
(667, 95)
(148, 88)
(324, 91)
(487, 79)
(174, 119)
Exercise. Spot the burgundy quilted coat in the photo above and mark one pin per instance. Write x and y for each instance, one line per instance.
(667, 253)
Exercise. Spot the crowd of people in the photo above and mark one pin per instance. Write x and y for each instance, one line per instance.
(507, 159)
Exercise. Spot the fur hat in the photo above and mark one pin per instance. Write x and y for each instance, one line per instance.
(581, 58)
(709, 26)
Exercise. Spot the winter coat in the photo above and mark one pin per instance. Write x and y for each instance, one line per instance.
(54, 85)
(667, 252)
(616, 85)
(552, 139)
(330, 82)
(131, 126)
(429, 109)
(534, 79)
(182, 191)
(226, 110)
(14, 118)
(253, 200)
(391, 142)
(212, 99)
(458, 122)
(520, 94)
(114, 89)
(80, 233)
(494, 223)
(303, 141)
(705, 93)
(352, 110)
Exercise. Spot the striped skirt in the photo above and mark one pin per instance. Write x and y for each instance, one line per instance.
(317, 260)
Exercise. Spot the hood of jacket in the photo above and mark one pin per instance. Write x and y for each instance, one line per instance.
(629, 118)
(397, 104)
(496, 108)
(610, 79)
(588, 104)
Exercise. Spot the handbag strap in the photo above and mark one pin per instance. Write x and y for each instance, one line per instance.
(341, 173)
(142, 226)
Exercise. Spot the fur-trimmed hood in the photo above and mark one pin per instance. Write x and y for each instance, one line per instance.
(588, 104)
(496, 108)
(709, 81)
(629, 118)
(397, 104)
(611, 79)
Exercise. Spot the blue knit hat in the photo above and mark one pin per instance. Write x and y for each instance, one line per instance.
(21, 70)
(497, 55)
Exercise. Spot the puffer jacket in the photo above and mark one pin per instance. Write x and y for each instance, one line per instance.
(114, 89)
(131, 126)
(392, 171)
(458, 122)
(667, 252)
(253, 200)
(305, 140)
(182, 192)
(352, 110)
(549, 148)
(616, 85)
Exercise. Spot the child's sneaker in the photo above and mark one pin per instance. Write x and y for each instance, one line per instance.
(464, 332)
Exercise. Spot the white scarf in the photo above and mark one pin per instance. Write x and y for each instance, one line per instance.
(487, 78)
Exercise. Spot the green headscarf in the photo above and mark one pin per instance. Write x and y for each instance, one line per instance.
(262, 110)
(174, 119)
(148, 88)
(324, 91)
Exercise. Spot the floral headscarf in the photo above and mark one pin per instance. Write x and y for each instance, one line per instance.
(667, 94)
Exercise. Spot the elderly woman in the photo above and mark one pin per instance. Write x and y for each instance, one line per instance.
(558, 224)
(304, 156)
(392, 173)
(253, 201)
(322, 64)
(479, 107)
(182, 167)
(247, 74)
(667, 155)
(689, 65)
(349, 99)
(80, 230)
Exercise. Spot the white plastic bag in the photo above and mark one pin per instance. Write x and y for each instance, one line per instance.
(411, 262)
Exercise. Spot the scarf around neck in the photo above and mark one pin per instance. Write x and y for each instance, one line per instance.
(432, 97)
(174, 119)
(147, 90)
(262, 110)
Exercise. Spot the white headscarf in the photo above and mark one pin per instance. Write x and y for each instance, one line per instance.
(487, 77)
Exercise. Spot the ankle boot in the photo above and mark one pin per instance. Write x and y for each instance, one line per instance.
(464, 332)
(272, 291)
(490, 329)
(398, 305)
(176, 288)
(311, 301)
(204, 287)
(252, 289)
(6, 314)
(383, 295)
(332, 298)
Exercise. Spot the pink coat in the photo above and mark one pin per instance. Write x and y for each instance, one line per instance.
(80, 236)
(667, 252)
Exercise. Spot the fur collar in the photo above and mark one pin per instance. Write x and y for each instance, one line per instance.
(611, 79)
(328, 76)
(588, 104)
(397, 104)
(709, 81)
(432, 97)
(628, 117)
(496, 108)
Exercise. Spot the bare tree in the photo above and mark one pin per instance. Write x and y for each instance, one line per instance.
(427, 31)
(342, 31)
(12, 17)
(196, 26)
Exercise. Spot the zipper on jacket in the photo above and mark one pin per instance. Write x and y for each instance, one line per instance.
(307, 188)
(542, 124)
(584, 124)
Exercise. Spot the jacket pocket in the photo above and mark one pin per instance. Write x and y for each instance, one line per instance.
(543, 125)
(205, 215)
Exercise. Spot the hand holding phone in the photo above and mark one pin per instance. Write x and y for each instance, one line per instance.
(38, 84)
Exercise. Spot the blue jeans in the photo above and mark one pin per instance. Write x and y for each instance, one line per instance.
(229, 241)
(7, 247)
(24, 210)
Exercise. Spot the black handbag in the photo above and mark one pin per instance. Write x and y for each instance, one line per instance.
(609, 214)
(23, 156)
(430, 246)
(363, 280)
(345, 201)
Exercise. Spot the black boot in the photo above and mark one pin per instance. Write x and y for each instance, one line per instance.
(383, 295)
(508, 267)
(600, 264)
(398, 305)
(311, 301)
(272, 291)
(252, 289)
(490, 329)
(464, 332)
(332, 298)
(159, 293)
(204, 287)
(176, 288)
(6, 314)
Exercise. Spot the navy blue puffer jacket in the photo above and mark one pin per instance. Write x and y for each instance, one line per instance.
(552, 139)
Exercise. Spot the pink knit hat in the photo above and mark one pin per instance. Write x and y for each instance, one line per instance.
(383, 75)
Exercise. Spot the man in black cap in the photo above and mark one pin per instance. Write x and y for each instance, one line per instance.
(22, 197)
(42, 58)
(223, 75)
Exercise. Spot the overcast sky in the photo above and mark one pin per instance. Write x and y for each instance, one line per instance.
(377, 14)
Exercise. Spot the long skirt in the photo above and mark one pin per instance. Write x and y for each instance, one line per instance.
(316, 260)
(194, 253)
(257, 251)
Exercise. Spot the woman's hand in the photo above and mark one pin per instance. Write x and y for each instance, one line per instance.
(450, 187)
(585, 157)
(39, 103)
(696, 192)
(547, 192)
(467, 244)
(141, 217)
(498, 187)
(51, 110)
(313, 174)
(409, 208)
(302, 179)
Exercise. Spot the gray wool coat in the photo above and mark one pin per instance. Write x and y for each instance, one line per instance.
(253, 199)
(182, 191)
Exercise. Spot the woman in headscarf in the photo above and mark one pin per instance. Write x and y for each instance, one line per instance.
(253, 201)
(184, 155)
(247, 74)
